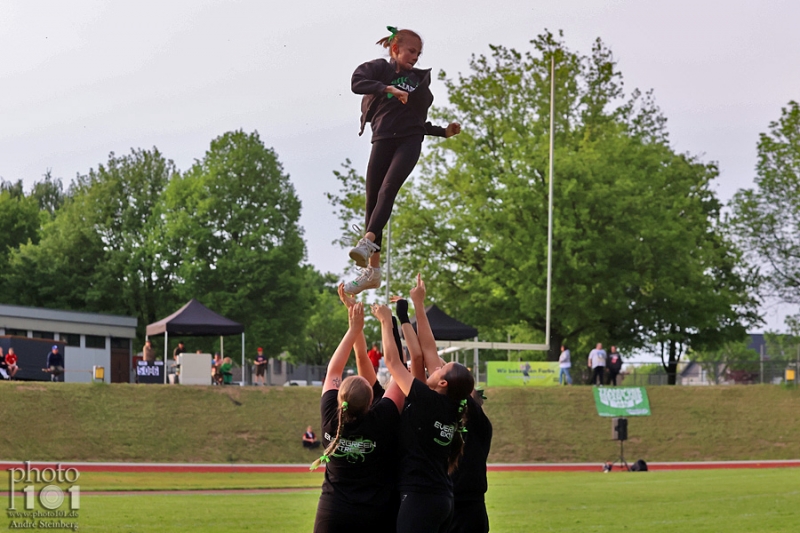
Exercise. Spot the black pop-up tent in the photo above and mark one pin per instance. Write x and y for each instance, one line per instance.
(196, 320)
(445, 327)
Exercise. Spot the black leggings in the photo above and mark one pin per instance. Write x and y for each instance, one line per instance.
(424, 513)
(469, 517)
(390, 163)
(342, 518)
(598, 374)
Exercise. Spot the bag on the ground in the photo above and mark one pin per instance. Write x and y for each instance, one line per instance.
(639, 466)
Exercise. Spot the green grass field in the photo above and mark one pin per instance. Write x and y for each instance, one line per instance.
(121, 422)
(731, 501)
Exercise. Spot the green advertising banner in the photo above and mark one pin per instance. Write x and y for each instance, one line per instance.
(521, 373)
(621, 401)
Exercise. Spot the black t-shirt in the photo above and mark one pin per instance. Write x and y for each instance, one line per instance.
(389, 117)
(3, 363)
(361, 468)
(260, 358)
(377, 392)
(469, 481)
(427, 429)
(614, 362)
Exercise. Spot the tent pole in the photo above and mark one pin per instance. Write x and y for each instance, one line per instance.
(221, 348)
(243, 381)
(166, 344)
(475, 362)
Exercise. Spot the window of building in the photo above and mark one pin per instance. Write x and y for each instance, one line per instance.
(16, 332)
(71, 339)
(117, 342)
(95, 341)
(43, 335)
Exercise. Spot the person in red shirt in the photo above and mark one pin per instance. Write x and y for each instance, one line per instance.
(11, 362)
(375, 356)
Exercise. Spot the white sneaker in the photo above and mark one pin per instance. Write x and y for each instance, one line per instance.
(363, 251)
(368, 278)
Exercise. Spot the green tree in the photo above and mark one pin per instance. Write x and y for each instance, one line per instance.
(766, 218)
(638, 257)
(234, 239)
(103, 251)
(49, 193)
(20, 222)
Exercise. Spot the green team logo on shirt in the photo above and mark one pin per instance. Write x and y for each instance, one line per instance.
(354, 449)
(446, 431)
(404, 83)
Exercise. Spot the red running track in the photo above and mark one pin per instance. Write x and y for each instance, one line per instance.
(294, 468)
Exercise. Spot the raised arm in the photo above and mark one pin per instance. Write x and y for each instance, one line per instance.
(426, 340)
(396, 367)
(412, 342)
(363, 364)
(333, 379)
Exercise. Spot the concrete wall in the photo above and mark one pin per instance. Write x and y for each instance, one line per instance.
(78, 363)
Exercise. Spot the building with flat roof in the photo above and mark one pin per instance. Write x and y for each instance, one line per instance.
(87, 339)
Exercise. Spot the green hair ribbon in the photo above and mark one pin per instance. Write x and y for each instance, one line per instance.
(393, 32)
(316, 464)
(344, 406)
(462, 430)
(462, 405)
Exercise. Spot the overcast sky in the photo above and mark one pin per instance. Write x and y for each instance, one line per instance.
(84, 78)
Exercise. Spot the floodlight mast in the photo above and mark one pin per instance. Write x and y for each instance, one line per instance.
(550, 203)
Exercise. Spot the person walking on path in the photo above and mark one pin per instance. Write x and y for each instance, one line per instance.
(396, 99)
(564, 365)
(597, 362)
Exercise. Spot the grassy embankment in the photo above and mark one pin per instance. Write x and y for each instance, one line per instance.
(78, 422)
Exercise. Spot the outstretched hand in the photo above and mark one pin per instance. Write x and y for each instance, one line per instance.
(347, 299)
(417, 294)
(382, 313)
(355, 316)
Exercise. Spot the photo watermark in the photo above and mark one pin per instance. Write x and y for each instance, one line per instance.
(58, 497)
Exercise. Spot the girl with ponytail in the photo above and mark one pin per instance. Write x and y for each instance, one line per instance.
(431, 424)
(396, 99)
(358, 437)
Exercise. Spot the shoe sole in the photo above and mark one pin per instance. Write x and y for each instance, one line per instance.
(360, 260)
(352, 291)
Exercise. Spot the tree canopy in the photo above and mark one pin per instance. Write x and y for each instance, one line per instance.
(766, 218)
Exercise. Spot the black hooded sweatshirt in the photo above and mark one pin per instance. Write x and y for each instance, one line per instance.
(389, 118)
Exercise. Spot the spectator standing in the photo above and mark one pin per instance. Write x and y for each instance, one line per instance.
(614, 366)
(261, 367)
(148, 353)
(310, 439)
(227, 373)
(375, 356)
(11, 363)
(597, 362)
(564, 364)
(216, 369)
(55, 364)
(179, 350)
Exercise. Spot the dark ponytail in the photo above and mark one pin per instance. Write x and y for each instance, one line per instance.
(460, 385)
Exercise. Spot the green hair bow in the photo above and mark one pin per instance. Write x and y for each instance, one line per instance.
(393, 32)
